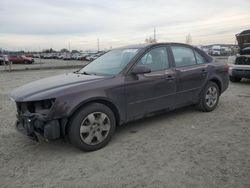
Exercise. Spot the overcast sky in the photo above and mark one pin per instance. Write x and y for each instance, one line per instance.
(34, 24)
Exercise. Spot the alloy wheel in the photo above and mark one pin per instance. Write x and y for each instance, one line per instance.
(94, 128)
(211, 96)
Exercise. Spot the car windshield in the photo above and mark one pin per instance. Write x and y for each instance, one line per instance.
(111, 63)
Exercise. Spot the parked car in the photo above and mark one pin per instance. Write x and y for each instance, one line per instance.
(4, 59)
(240, 64)
(16, 59)
(67, 56)
(36, 55)
(216, 51)
(123, 85)
(92, 57)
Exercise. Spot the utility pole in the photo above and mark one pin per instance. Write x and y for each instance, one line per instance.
(154, 35)
(69, 45)
(98, 45)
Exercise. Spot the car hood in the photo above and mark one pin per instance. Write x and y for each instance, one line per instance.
(243, 39)
(50, 84)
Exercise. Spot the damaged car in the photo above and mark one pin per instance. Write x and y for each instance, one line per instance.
(240, 64)
(123, 85)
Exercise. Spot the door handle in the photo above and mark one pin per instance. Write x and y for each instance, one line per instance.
(204, 71)
(170, 77)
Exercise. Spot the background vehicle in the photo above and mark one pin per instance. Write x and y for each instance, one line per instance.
(240, 64)
(4, 59)
(15, 59)
(216, 50)
(122, 85)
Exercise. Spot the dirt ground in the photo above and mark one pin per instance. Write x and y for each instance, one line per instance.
(184, 148)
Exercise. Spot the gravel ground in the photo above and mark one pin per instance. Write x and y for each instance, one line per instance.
(184, 148)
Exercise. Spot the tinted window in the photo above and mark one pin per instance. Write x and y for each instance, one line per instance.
(156, 59)
(183, 56)
(199, 58)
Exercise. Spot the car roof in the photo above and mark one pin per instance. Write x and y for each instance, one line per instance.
(148, 45)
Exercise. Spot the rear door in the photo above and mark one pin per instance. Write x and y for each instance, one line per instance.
(191, 73)
(146, 93)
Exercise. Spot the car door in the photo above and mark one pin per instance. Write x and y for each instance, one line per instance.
(146, 93)
(191, 74)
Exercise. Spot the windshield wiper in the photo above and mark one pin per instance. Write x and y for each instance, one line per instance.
(78, 72)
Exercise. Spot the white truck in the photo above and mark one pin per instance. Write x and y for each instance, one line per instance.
(216, 50)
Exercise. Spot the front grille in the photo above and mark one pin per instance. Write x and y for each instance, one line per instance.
(242, 70)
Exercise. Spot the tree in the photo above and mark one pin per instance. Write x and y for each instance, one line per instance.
(74, 51)
(64, 50)
(49, 50)
(188, 39)
(150, 40)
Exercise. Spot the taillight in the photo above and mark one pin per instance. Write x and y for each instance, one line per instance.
(226, 67)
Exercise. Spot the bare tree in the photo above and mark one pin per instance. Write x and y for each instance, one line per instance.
(150, 40)
(188, 39)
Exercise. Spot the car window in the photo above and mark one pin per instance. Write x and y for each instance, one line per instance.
(199, 58)
(183, 56)
(111, 63)
(156, 59)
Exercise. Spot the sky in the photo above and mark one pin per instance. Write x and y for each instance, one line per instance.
(77, 24)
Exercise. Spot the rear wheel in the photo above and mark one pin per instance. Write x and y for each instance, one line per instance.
(209, 97)
(234, 79)
(91, 127)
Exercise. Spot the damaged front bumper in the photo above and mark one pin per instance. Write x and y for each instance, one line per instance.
(35, 126)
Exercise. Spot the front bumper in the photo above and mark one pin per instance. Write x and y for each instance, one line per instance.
(35, 126)
(241, 71)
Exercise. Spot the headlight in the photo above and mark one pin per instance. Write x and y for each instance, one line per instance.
(231, 60)
(41, 107)
(47, 104)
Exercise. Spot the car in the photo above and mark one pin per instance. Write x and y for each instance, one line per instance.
(36, 56)
(16, 59)
(4, 59)
(67, 56)
(123, 85)
(216, 51)
(240, 64)
(81, 57)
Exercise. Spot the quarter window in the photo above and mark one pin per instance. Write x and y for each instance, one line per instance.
(156, 59)
(183, 56)
(199, 58)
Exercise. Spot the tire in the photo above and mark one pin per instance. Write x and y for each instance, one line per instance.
(92, 127)
(234, 79)
(209, 97)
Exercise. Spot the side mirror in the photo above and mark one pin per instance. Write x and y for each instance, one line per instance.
(140, 69)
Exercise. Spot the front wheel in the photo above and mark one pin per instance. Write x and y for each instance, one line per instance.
(91, 127)
(209, 97)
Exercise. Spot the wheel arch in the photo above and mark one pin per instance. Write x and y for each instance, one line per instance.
(218, 82)
(100, 100)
